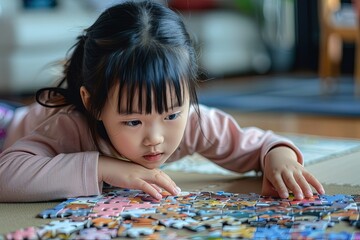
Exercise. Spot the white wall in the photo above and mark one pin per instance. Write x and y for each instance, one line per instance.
(32, 39)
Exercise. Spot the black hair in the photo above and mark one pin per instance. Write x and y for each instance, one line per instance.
(141, 46)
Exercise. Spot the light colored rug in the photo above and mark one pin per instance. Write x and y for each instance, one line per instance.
(314, 148)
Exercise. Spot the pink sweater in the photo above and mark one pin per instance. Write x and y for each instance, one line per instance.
(49, 153)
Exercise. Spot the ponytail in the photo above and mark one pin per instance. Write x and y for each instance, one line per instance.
(73, 78)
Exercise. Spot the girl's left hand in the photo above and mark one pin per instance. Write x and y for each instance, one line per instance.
(283, 174)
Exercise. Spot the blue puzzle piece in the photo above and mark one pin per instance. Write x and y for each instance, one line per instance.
(272, 232)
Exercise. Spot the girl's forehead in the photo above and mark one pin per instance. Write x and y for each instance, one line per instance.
(126, 90)
(140, 96)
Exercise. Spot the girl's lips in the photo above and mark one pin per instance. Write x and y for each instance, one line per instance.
(153, 157)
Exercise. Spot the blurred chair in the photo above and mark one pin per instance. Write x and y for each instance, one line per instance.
(338, 24)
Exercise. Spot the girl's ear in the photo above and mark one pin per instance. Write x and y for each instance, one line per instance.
(85, 97)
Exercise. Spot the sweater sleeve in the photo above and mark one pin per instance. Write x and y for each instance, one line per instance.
(220, 139)
(54, 161)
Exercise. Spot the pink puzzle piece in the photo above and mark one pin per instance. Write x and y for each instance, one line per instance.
(29, 233)
(108, 209)
(141, 205)
(116, 199)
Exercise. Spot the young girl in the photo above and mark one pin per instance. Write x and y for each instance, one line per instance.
(126, 104)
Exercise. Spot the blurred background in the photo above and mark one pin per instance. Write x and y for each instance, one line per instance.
(252, 48)
(235, 37)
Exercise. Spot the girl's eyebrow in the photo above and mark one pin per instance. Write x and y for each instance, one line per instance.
(177, 104)
(126, 113)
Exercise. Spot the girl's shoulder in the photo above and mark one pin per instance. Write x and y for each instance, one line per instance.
(38, 114)
(208, 115)
(37, 120)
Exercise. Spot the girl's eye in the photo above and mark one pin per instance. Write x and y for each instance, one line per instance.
(132, 123)
(173, 116)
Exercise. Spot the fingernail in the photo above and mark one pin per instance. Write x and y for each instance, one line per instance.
(158, 196)
(177, 190)
(285, 195)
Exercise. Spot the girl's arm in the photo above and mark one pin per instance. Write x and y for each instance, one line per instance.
(59, 160)
(221, 140)
(56, 160)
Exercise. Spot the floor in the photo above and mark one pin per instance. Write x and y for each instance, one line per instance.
(304, 124)
(332, 126)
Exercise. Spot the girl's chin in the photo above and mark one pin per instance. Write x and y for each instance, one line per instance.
(151, 165)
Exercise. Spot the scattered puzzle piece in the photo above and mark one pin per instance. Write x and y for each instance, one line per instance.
(134, 214)
(29, 233)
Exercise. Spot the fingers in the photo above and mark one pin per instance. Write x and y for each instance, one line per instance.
(289, 176)
(301, 185)
(162, 180)
(154, 190)
(268, 189)
(157, 188)
(304, 189)
(280, 186)
(297, 182)
(149, 189)
(314, 182)
(135, 176)
(154, 183)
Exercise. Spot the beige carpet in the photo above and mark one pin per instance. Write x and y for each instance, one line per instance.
(342, 170)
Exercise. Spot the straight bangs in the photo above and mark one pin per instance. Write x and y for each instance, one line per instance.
(148, 76)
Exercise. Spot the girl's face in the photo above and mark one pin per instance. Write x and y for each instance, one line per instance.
(146, 139)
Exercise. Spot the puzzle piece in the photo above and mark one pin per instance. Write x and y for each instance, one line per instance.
(107, 209)
(101, 222)
(244, 215)
(308, 234)
(239, 232)
(306, 202)
(331, 199)
(134, 214)
(65, 227)
(311, 225)
(136, 232)
(137, 227)
(96, 233)
(272, 232)
(73, 212)
(29, 233)
(343, 215)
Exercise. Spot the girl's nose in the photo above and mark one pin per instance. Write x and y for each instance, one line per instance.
(153, 139)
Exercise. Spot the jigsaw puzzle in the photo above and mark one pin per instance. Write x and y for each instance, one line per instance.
(124, 213)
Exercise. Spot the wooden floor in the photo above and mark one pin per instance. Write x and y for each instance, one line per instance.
(332, 126)
(302, 124)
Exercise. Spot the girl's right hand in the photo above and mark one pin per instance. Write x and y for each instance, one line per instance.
(131, 175)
